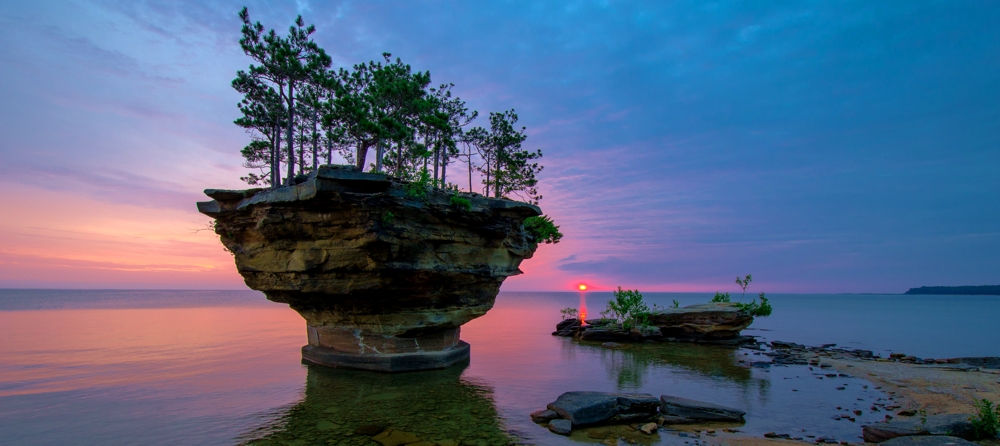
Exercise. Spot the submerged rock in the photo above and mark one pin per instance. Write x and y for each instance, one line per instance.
(561, 427)
(587, 408)
(698, 410)
(384, 280)
(721, 320)
(956, 425)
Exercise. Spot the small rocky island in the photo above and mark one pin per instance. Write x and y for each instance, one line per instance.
(712, 323)
(384, 279)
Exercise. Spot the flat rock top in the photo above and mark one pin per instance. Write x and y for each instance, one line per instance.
(328, 177)
(711, 307)
(594, 407)
(684, 402)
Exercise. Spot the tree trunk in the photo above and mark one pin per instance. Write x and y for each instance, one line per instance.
(315, 137)
(437, 154)
(362, 154)
(444, 170)
(469, 155)
(290, 177)
(302, 150)
(488, 166)
(379, 149)
(275, 146)
(329, 151)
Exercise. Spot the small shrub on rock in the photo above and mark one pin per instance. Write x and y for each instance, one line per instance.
(720, 297)
(461, 202)
(569, 313)
(628, 309)
(986, 423)
(762, 309)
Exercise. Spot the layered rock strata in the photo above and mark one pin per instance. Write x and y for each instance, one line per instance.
(722, 320)
(711, 322)
(384, 278)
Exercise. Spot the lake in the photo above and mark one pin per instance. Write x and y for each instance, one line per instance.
(224, 367)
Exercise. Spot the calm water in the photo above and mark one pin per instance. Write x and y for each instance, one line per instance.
(183, 367)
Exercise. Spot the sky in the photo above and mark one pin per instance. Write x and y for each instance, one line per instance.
(824, 147)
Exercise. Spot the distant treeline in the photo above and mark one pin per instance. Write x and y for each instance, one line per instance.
(957, 290)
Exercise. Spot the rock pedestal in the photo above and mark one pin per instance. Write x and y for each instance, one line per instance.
(384, 278)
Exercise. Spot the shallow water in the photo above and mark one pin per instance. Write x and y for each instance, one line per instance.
(180, 367)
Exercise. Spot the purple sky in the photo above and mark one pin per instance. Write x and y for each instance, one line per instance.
(821, 146)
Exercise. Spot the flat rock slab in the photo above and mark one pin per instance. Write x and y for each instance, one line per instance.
(957, 425)
(543, 415)
(585, 408)
(698, 410)
(928, 440)
(561, 427)
(720, 320)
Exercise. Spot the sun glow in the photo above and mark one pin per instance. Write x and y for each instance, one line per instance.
(582, 287)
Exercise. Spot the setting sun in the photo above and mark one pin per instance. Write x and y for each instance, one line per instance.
(582, 287)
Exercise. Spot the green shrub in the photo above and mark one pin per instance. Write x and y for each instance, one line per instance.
(719, 297)
(418, 187)
(744, 283)
(461, 202)
(542, 229)
(986, 423)
(569, 313)
(628, 309)
(677, 304)
(763, 309)
(388, 218)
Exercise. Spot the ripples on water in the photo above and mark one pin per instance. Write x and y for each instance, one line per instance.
(216, 367)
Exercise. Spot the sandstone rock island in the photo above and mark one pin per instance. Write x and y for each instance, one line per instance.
(384, 280)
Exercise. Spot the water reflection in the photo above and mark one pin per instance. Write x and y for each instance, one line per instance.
(437, 406)
(630, 363)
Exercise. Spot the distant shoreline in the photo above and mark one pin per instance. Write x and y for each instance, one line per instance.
(980, 290)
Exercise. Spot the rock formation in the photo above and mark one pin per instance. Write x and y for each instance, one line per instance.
(703, 322)
(384, 279)
(721, 320)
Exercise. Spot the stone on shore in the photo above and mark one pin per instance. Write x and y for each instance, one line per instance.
(587, 408)
(717, 320)
(544, 415)
(698, 410)
(928, 440)
(957, 425)
(567, 328)
(561, 427)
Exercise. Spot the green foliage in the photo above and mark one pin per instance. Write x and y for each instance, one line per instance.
(542, 229)
(388, 218)
(744, 283)
(628, 309)
(418, 187)
(507, 168)
(719, 297)
(460, 202)
(762, 309)
(677, 304)
(986, 423)
(569, 313)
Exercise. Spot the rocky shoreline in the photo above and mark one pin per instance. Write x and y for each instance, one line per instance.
(929, 400)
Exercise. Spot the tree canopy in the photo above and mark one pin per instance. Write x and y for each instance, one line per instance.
(380, 115)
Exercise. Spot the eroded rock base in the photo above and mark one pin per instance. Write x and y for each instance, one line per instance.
(388, 362)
